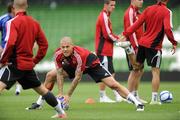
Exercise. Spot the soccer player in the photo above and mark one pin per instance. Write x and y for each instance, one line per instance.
(3, 20)
(17, 60)
(130, 16)
(158, 22)
(104, 41)
(74, 61)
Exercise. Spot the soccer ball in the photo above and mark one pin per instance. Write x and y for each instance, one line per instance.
(64, 105)
(166, 97)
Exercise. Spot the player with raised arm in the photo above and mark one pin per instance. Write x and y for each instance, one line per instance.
(130, 16)
(158, 22)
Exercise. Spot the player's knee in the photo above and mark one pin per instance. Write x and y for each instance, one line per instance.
(114, 86)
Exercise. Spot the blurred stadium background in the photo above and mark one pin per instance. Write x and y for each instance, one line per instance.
(77, 18)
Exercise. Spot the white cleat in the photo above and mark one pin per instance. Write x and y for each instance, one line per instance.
(120, 99)
(155, 103)
(106, 99)
(141, 100)
(123, 44)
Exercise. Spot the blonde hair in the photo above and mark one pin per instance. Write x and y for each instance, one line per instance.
(20, 4)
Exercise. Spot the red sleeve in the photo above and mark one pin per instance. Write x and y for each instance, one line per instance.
(43, 46)
(11, 37)
(57, 58)
(106, 28)
(129, 21)
(168, 28)
(136, 25)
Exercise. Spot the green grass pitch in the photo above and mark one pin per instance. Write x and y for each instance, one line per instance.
(13, 107)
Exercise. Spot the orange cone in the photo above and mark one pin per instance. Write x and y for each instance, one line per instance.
(90, 101)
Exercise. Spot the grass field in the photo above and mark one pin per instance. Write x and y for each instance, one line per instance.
(13, 107)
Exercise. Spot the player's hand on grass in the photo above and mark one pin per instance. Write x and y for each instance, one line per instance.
(66, 99)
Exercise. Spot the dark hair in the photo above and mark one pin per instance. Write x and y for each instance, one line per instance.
(9, 7)
(107, 1)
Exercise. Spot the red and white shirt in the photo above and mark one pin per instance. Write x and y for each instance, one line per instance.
(104, 37)
(78, 60)
(158, 22)
(130, 16)
(22, 32)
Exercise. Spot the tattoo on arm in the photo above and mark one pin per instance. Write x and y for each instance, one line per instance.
(75, 83)
(60, 81)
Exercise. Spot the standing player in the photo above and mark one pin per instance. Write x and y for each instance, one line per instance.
(17, 60)
(3, 21)
(130, 16)
(158, 21)
(104, 41)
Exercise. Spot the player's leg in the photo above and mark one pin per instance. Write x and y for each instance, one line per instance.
(155, 85)
(6, 81)
(102, 86)
(113, 84)
(135, 74)
(32, 81)
(48, 83)
(2, 86)
(154, 60)
(100, 74)
(18, 89)
(51, 100)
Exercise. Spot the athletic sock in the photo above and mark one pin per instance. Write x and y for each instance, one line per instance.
(102, 93)
(154, 96)
(116, 93)
(52, 101)
(40, 100)
(18, 88)
(132, 99)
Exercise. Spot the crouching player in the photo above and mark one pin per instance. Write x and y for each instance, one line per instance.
(74, 61)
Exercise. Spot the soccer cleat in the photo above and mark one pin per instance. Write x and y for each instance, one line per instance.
(155, 103)
(61, 116)
(34, 106)
(141, 100)
(123, 44)
(106, 99)
(140, 108)
(120, 99)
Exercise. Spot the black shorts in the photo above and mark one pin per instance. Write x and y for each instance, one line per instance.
(107, 62)
(97, 73)
(27, 78)
(152, 56)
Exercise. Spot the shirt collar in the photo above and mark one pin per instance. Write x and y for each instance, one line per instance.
(160, 3)
(134, 7)
(21, 13)
(108, 13)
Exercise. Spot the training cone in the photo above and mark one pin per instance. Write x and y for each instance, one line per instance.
(90, 101)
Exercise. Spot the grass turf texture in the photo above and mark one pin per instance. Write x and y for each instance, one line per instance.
(13, 107)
